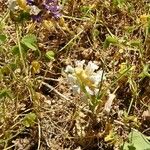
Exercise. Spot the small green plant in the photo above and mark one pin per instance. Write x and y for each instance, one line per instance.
(29, 120)
(110, 40)
(86, 81)
(50, 55)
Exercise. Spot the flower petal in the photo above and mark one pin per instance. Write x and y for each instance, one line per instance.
(80, 64)
(98, 77)
(72, 79)
(76, 89)
(34, 10)
(91, 67)
(69, 69)
(89, 90)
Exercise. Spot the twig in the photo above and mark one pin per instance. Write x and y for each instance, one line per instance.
(47, 78)
(39, 135)
(53, 89)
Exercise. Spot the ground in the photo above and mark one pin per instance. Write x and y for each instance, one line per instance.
(39, 109)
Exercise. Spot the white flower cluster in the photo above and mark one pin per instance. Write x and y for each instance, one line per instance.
(12, 5)
(85, 76)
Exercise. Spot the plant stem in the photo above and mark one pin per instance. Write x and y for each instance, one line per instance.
(20, 48)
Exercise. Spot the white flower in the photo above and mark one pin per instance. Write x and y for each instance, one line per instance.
(72, 79)
(98, 77)
(69, 69)
(80, 64)
(76, 89)
(34, 10)
(96, 91)
(84, 76)
(12, 5)
(91, 67)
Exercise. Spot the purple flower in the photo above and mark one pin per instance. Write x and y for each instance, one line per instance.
(49, 6)
(37, 17)
(54, 9)
(56, 15)
(30, 2)
(50, 1)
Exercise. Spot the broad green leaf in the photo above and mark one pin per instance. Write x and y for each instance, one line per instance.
(29, 119)
(15, 49)
(30, 41)
(110, 40)
(137, 141)
(50, 55)
(2, 38)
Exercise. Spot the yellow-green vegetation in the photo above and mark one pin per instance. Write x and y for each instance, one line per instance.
(75, 75)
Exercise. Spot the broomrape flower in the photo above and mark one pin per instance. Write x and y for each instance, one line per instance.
(30, 2)
(39, 10)
(85, 77)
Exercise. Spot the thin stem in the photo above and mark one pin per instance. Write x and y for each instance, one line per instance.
(4, 17)
(20, 48)
(74, 38)
(130, 106)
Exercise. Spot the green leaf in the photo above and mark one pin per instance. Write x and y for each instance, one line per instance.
(15, 50)
(30, 41)
(5, 69)
(137, 141)
(13, 66)
(50, 55)
(29, 119)
(2, 38)
(135, 43)
(119, 3)
(110, 40)
(145, 72)
(23, 16)
(86, 10)
(5, 93)
(129, 29)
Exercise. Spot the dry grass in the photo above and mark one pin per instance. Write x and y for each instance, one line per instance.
(63, 120)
